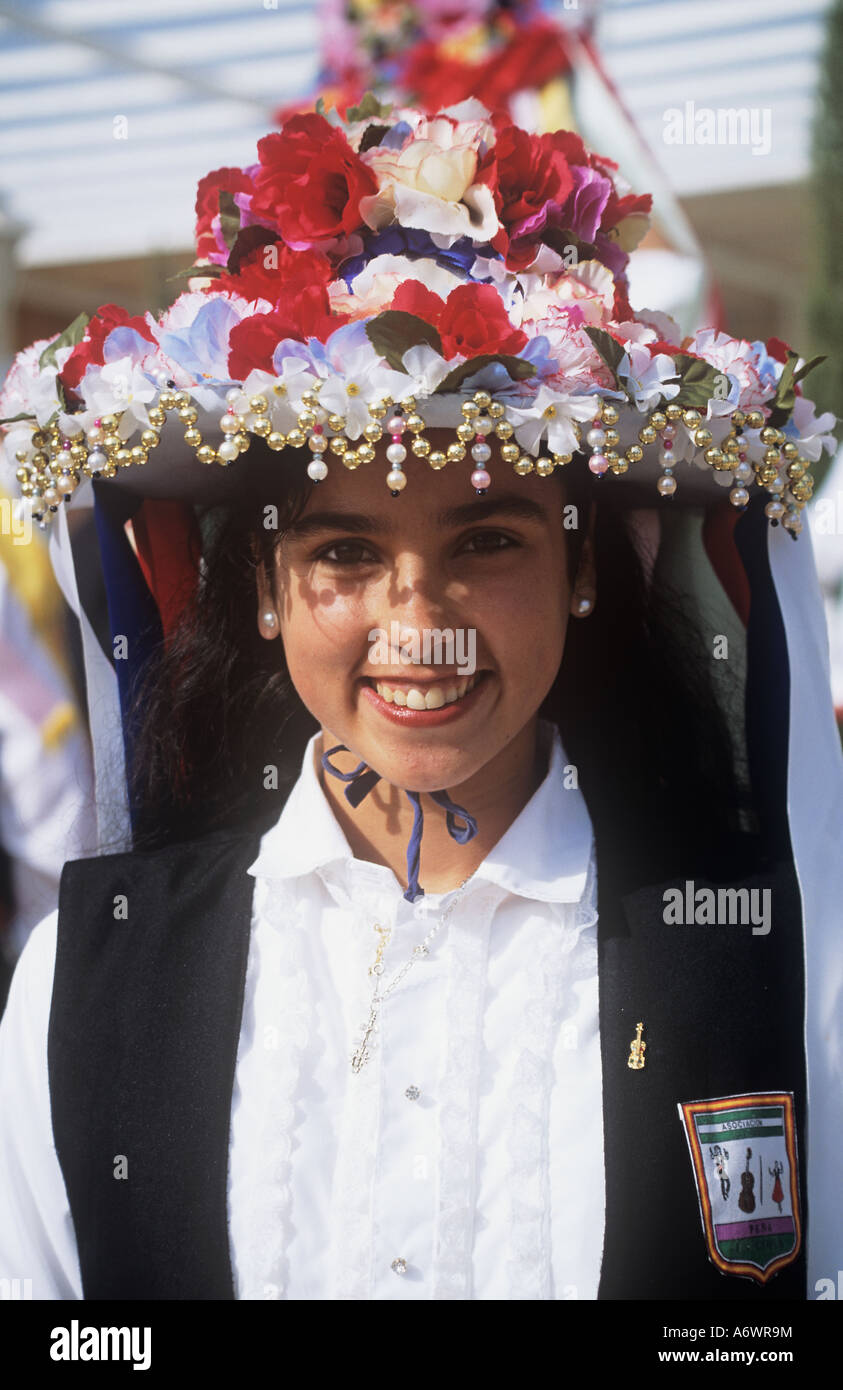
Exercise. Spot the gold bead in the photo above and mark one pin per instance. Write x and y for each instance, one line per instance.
(658, 420)
(771, 455)
(415, 424)
(108, 423)
(296, 439)
(166, 401)
(39, 439)
(262, 427)
(609, 413)
(420, 447)
(150, 438)
(339, 445)
(790, 451)
(181, 398)
(802, 490)
(307, 420)
(634, 453)
(496, 410)
(188, 414)
(769, 435)
(691, 418)
(703, 437)
(79, 453)
(258, 405)
(109, 471)
(407, 403)
(465, 432)
(365, 453)
(510, 452)
(482, 399)
(157, 416)
(21, 455)
(111, 442)
(470, 410)
(139, 454)
(561, 459)
(242, 441)
(22, 474)
(123, 458)
(373, 432)
(206, 454)
(621, 466)
(437, 459)
(26, 489)
(765, 473)
(193, 438)
(309, 398)
(351, 460)
(754, 420)
(738, 418)
(524, 465)
(544, 466)
(673, 412)
(378, 410)
(456, 452)
(613, 457)
(504, 430)
(336, 423)
(612, 438)
(795, 470)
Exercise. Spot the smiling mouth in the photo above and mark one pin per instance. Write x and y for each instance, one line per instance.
(447, 692)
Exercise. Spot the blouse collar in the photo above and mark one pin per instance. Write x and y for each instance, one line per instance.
(543, 856)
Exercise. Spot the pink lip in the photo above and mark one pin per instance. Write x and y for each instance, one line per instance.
(425, 718)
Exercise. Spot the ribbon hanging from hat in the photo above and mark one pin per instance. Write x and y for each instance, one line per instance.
(360, 782)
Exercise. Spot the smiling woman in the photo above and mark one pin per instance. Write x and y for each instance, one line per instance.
(383, 993)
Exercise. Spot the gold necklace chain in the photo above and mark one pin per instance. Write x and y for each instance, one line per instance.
(363, 1051)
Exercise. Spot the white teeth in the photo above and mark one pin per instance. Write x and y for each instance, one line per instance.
(433, 698)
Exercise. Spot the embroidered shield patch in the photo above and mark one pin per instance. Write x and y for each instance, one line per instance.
(743, 1149)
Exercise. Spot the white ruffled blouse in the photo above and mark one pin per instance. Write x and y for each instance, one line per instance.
(343, 1186)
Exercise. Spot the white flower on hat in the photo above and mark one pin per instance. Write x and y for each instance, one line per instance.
(355, 376)
(648, 377)
(120, 386)
(553, 414)
(374, 288)
(429, 183)
(813, 431)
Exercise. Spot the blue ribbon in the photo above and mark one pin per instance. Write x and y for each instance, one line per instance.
(359, 783)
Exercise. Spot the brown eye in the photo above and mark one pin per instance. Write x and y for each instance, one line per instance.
(346, 553)
(487, 542)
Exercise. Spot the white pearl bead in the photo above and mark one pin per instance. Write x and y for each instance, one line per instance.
(228, 450)
(233, 396)
(484, 424)
(97, 460)
(596, 438)
(396, 453)
(229, 424)
(667, 485)
(744, 473)
(51, 496)
(481, 453)
(317, 443)
(63, 459)
(739, 496)
(775, 510)
(396, 480)
(317, 469)
(66, 485)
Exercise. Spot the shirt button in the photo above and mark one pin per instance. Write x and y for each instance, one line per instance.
(399, 1265)
(412, 1093)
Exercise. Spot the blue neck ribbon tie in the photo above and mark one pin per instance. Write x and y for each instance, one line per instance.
(360, 782)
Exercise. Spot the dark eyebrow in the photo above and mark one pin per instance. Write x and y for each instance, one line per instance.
(359, 524)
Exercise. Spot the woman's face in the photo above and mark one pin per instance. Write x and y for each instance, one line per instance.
(475, 587)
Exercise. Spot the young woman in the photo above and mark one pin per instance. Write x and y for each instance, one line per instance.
(440, 977)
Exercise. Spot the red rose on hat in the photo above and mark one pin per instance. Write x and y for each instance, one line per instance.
(305, 314)
(273, 272)
(471, 321)
(90, 350)
(208, 206)
(310, 181)
(530, 175)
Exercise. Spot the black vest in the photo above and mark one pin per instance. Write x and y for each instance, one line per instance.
(143, 1044)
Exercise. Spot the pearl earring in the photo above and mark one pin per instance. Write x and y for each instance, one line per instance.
(269, 618)
(583, 607)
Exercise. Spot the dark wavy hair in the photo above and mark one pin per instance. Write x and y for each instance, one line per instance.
(216, 711)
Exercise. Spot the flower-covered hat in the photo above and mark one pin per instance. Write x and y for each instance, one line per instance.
(382, 272)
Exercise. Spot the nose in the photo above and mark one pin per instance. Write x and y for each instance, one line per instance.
(419, 594)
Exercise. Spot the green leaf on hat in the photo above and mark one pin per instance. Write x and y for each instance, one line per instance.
(699, 382)
(518, 369)
(785, 397)
(13, 419)
(73, 334)
(368, 106)
(394, 332)
(207, 270)
(608, 347)
(229, 217)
